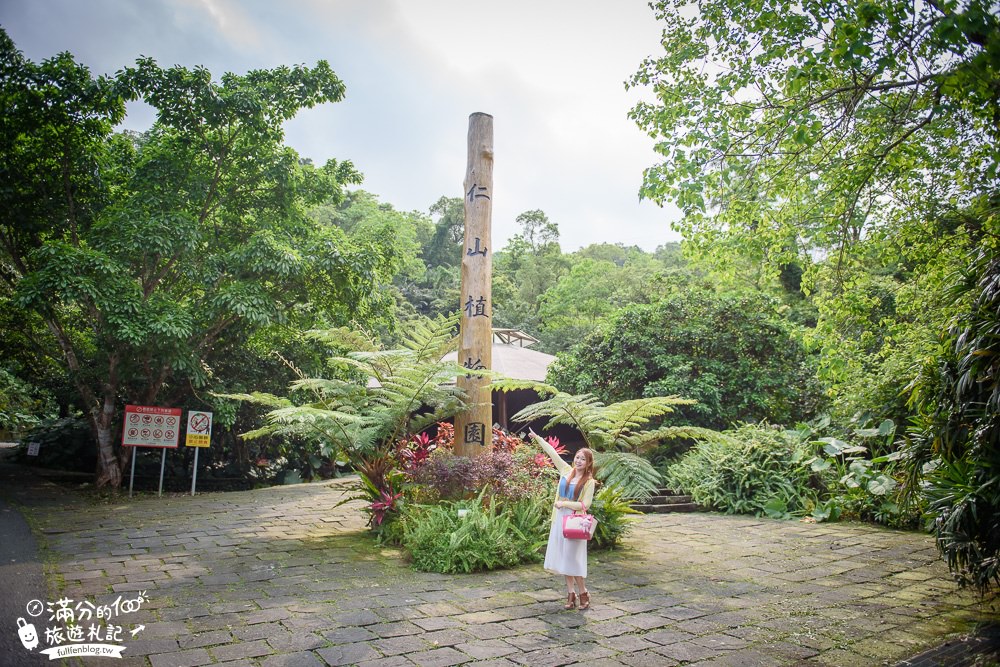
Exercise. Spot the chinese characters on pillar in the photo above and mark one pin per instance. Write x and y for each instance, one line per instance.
(477, 192)
(477, 251)
(476, 308)
(476, 365)
(475, 433)
(473, 426)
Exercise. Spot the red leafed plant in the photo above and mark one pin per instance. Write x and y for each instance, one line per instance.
(445, 435)
(380, 508)
(505, 442)
(554, 441)
(414, 452)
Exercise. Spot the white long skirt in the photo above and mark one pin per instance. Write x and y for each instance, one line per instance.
(562, 556)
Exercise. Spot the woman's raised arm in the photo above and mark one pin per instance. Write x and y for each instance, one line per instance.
(557, 461)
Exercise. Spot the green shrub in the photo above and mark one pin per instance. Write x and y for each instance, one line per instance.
(487, 537)
(22, 405)
(755, 469)
(954, 443)
(611, 511)
(64, 444)
(859, 486)
(736, 355)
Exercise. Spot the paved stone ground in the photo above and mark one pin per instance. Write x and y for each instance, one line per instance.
(283, 577)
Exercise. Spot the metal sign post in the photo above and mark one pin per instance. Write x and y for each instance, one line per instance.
(199, 434)
(163, 464)
(131, 477)
(150, 426)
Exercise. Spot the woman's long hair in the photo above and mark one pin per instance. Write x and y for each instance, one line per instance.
(585, 476)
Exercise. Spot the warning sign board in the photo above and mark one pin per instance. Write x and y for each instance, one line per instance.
(151, 426)
(199, 429)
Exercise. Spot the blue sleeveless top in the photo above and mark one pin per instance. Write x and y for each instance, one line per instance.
(566, 492)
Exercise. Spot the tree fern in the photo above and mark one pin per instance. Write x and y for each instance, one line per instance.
(633, 477)
(620, 426)
(397, 392)
(627, 418)
(617, 433)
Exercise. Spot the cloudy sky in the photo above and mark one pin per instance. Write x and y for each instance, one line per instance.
(550, 72)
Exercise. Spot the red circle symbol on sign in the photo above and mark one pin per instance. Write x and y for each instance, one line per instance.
(198, 423)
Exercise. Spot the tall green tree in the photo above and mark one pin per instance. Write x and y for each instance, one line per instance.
(572, 307)
(444, 248)
(145, 254)
(399, 238)
(788, 127)
(602, 279)
(733, 354)
(529, 264)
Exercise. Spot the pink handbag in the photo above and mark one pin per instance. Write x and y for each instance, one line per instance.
(579, 526)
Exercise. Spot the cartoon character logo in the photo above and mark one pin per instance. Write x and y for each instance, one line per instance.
(26, 631)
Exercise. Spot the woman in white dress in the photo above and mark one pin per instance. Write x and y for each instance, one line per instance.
(575, 493)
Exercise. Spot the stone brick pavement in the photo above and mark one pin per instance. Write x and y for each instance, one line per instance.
(283, 577)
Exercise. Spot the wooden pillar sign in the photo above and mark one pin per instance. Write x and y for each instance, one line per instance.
(474, 427)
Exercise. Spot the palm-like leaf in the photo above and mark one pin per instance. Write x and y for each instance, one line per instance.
(628, 418)
(412, 389)
(617, 433)
(632, 476)
(260, 398)
(620, 426)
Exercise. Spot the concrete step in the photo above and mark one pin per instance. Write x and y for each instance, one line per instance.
(666, 508)
(667, 500)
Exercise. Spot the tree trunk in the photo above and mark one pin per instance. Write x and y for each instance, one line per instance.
(109, 467)
(101, 414)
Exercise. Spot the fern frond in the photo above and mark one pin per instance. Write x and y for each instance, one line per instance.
(638, 442)
(443, 410)
(349, 338)
(262, 432)
(300, 414)
(258, 398)
(630, 416)
(632, 476)
(324, 387)
(583, 412)
(431, 339)
(506, 384)
(375, 363)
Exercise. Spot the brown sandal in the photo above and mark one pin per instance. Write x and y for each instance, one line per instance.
(570, 602)
(585, 600)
